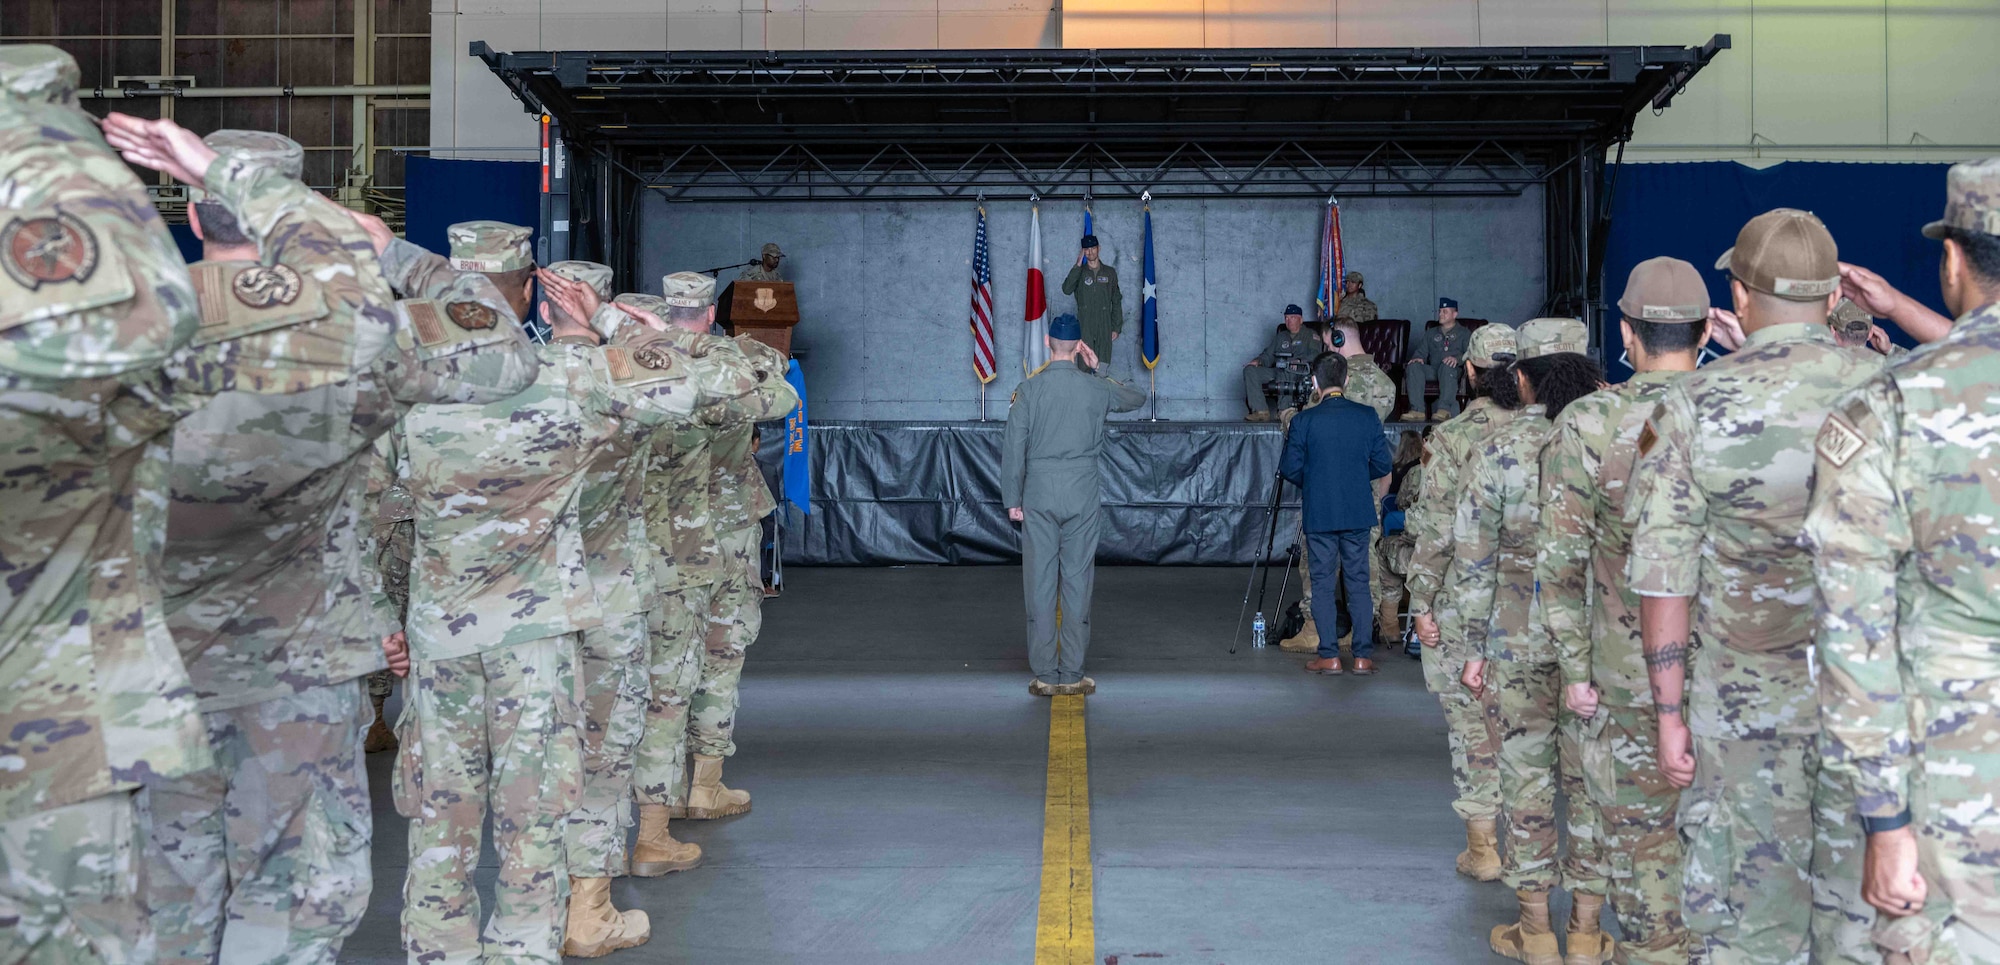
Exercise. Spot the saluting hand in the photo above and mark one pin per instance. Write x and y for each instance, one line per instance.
(1089, 357)
(1724, 329)
(160, 145)
(378, 231)
(573, 298)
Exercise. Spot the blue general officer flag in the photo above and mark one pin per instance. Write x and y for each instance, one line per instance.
(798, 455)
(1149, 305)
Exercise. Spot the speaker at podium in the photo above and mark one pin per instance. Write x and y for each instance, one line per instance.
(766, 310)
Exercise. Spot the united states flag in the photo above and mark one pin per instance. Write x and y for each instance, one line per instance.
(982, 304)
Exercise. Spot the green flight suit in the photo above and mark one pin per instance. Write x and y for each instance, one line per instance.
(1100, 307)
(1055, 432)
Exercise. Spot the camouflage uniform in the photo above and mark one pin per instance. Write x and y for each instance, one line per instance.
(1594, 621)
(95, 308)
(755, 270)
(1718, 498)
(267, 589)
(1902, 529)
(704, 499)
(498, 598)
(1475, 743)
(1495, 528)
(1356, 308)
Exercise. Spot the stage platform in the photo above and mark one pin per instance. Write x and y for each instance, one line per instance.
(1175, 493)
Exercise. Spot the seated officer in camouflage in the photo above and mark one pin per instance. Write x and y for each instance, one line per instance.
(1290, 344)
(695, 512)
(1719, 496)
(1495, 531)
(1475, 745)
(1901, 529)
(498, 599)
(264, 857)
(96, 313)
(1593, 617)
(1355, 307)
(1439, 356)
(1049, 484)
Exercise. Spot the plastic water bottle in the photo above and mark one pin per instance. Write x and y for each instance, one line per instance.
(1257, 631)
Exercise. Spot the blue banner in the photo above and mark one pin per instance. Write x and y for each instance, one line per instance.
(798, 458)
(1149, 306)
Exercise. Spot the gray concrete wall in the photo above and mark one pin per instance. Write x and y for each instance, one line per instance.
(885, 285)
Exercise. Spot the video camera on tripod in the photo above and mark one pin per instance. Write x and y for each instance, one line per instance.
(1291, 383)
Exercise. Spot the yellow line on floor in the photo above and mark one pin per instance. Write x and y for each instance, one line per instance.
(1066, 933)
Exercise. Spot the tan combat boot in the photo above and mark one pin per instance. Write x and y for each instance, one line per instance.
(657, 852)
(1588, 945)
(1480, 860)
(380, 736)
(596, 929)
(707, 798)
(1388, 630)
(1529, 940)
(1304, 641)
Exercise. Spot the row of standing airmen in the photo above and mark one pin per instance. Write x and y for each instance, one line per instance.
(233, 488)
(1746, 616)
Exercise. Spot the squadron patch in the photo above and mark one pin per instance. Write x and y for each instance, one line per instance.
(654, 357)
(1838, 442)
(266, 286)
(472, 316)
(48, 250)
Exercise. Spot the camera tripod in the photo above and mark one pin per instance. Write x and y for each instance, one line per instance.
(1270, 540)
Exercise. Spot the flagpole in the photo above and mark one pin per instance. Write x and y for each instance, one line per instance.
(982, 402)
(1153, 390)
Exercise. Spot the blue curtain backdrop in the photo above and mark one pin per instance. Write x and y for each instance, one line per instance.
(440, 193)
(1693, 210)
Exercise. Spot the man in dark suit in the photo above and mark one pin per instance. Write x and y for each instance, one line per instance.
(1337, 455)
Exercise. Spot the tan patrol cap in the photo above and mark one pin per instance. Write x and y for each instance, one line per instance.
(1354, 278)
(490, 246)
(1664, 290)
(1785, 252)
(688, 289)
(771, 248)
(643, 302)
(1971, 199)
(38, 74)
(262, 149)
(1491, 345)
(1548, 336)
(597, 276)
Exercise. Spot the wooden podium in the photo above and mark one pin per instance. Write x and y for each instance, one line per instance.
(766, 310)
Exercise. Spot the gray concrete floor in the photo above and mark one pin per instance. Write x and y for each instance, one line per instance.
(1242, 811)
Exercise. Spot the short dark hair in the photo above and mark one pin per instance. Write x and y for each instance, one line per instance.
(1982, 253)
(1330, 370)
(1318, 328)
(1497, 383)
(1561, 378)
(218, 224)
(1666, 338)
(684, 313)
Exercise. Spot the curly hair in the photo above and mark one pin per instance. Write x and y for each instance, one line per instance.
(1561, 378)
(1497, 383)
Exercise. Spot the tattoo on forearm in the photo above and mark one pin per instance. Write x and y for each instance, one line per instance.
(1667, 710)
(1671, 655)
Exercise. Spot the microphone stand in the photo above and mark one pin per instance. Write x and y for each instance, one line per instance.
(711, 271)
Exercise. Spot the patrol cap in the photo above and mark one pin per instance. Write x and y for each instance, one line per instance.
(1064, 328)
(643, 302)
(1354, 278)
(1971, 199)
(771, 248)
(688, 289)
(490, 246)
(1294, 310)
(1664, 290)
(1089, 241)
(597, 276)
(1444, 303)
(1491, 345)
(1851, 319)
(1548, 336)
(261, 149)
(38, 74)
(1785, 252)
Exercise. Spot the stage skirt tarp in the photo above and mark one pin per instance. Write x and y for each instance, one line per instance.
(1189, 494)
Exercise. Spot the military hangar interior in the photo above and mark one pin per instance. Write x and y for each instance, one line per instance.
(1208, 802)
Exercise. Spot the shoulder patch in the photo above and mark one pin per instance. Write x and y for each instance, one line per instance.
(266, 286)
(472, 316)
(50, 249)
(619, 359)
(424, 322)
(1838, 441)
(1647, 437)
